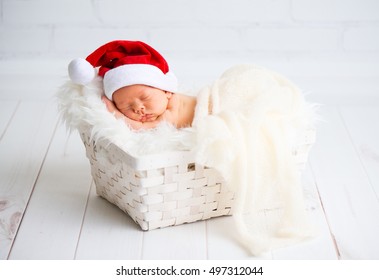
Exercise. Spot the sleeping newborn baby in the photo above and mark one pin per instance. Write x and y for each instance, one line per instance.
(143, 107)
(138, 85)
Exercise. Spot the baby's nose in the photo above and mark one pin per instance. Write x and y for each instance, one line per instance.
(139, 108)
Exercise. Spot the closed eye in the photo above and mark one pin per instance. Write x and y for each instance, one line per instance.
(127, 108)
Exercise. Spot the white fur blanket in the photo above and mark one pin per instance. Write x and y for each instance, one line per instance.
(82, 105)
(256, 116)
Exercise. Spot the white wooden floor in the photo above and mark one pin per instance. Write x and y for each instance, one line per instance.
(49, 209)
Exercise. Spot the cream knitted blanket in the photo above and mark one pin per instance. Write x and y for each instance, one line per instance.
(246, 123)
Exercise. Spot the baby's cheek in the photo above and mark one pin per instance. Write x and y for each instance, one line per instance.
(129, 114)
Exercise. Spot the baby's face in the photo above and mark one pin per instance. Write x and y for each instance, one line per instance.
(141, 103)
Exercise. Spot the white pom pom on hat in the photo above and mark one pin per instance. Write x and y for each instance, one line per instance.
(123, 63)
(81, 71)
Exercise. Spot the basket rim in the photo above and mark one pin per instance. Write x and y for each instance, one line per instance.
(141, 162)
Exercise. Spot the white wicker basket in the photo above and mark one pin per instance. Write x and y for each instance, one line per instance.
(164, 189)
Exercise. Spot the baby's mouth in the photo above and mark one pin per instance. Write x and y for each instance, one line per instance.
(146, 117)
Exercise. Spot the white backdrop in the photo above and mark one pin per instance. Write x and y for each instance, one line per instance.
(329, 47)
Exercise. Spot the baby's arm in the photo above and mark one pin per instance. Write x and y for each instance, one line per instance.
(132, 123)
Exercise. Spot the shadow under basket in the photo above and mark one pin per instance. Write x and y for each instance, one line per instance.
(164, 189)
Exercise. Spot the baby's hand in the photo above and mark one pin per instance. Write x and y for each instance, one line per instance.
(112, 108)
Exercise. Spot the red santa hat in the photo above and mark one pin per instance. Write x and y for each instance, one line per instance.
(124, 63)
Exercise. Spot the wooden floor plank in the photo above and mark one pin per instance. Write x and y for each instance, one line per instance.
(52, 222)
(22, 151)
(183, 242)
(363, 127)
(7, 110)
(348, 198)
(108, 233)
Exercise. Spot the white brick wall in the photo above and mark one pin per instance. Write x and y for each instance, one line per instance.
(336, 10)
(293, 39)
(45, 12)
(294, 36)
(73, 27)
(362, 38)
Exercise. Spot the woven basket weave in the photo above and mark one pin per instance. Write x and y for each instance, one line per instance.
(164, 189)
